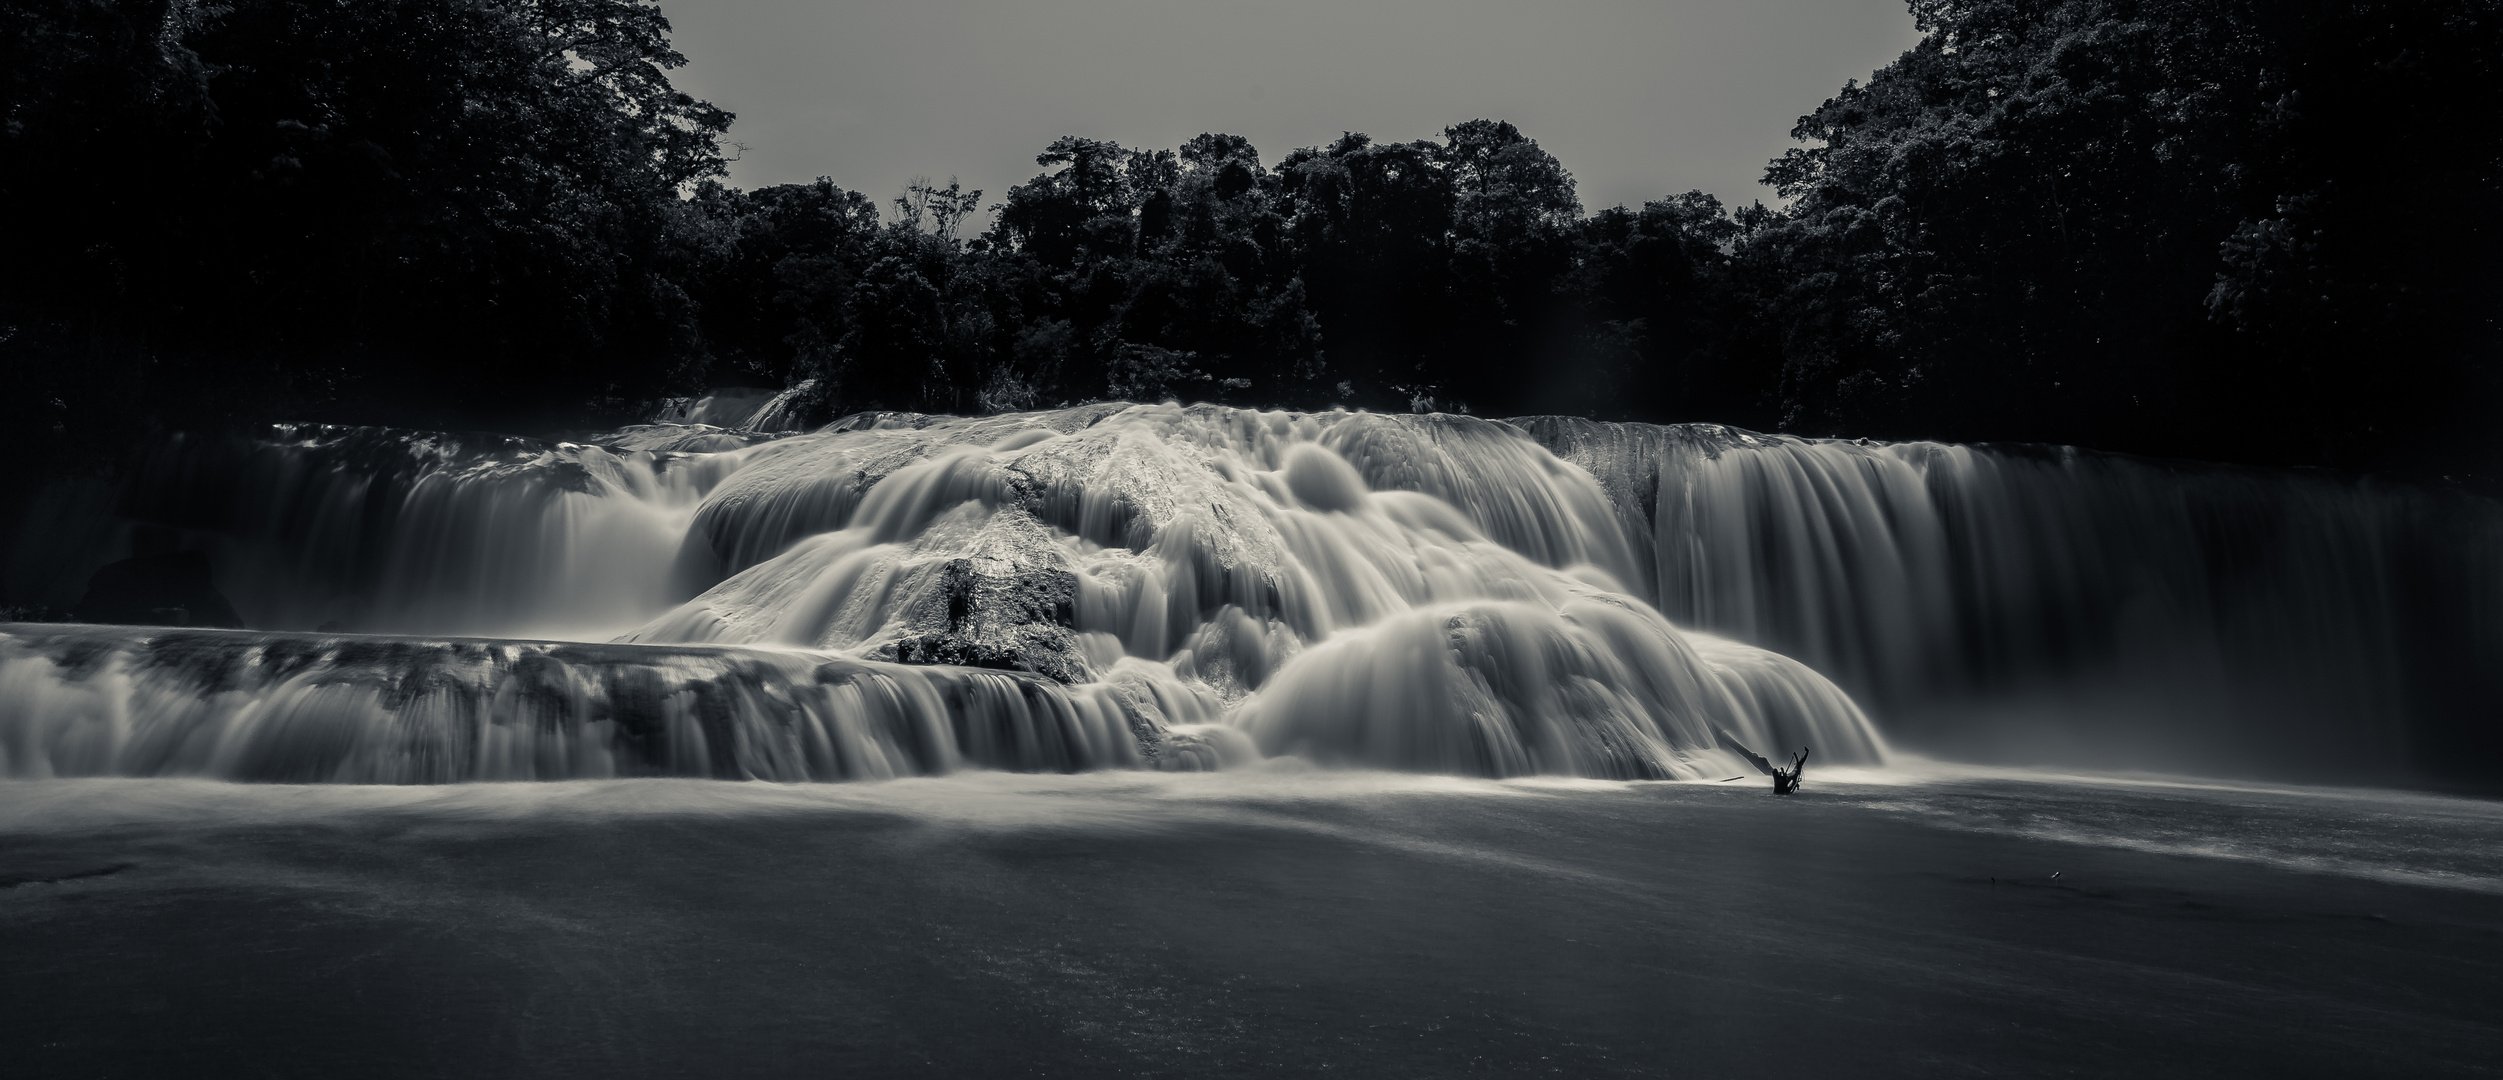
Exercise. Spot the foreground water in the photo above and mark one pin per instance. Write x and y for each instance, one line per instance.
(1275, 920)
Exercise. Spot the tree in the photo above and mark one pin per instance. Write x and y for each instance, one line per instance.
(387, 209)
(1513, 220)
(2243, 230)
(1372, 224)
(1667, 331)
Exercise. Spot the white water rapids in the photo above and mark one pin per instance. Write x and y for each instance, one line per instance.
(1162, 586)
(1104, 586)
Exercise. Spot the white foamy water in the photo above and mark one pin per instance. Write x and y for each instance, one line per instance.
(1174, 587)
(1161, 586)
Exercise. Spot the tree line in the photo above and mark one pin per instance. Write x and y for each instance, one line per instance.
(2234, 229)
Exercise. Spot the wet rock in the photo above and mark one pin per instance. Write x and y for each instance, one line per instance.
(165, 589)
(992, 612)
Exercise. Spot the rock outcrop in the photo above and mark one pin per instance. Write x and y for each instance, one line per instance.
(992, 612)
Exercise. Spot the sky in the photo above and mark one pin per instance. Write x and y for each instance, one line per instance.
(1639, 99)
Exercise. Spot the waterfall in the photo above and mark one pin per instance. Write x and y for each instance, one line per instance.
(1212, 585)
(2052, 604)
(309, 708)
(422, 532)
(1101, 586)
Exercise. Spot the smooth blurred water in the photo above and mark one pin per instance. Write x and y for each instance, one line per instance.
(2055, 605)
(2372, 835)
(1546, 596)
(1436, 594)
(1310, 744)
(2394, 837)
(1279, 918)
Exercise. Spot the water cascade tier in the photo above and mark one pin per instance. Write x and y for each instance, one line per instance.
(2050, 604)
(1104, 586)
(304, 708)
(1540, 596)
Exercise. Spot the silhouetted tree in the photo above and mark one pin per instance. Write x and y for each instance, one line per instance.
(2227, 229)
(366, 208)
(2257, 230)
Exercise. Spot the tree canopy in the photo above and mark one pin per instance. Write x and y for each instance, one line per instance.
(2226, 229)
(2237, 228)
(338, 203)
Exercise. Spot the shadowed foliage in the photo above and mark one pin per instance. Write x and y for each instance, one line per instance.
(2239, 230)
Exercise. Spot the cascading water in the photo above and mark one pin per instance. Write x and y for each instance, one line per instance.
(1408, 592)
(1100, 586)
(2057, 605)
(293, 708)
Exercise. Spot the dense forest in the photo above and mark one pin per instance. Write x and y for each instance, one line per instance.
(2230, 229)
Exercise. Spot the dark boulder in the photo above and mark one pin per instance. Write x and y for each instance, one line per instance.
(1012, 615)
(165, 589)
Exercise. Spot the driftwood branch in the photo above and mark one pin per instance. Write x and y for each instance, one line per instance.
(1785, 778)
(1786, 781)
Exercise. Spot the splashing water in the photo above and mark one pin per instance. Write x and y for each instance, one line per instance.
(1103, 586)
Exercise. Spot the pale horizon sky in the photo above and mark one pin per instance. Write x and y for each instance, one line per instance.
(1639, 100)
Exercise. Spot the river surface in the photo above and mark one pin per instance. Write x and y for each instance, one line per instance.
(1276, 920)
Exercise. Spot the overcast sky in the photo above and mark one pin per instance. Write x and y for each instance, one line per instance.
(1638, 99)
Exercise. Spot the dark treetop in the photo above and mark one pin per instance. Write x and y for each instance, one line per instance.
(2260, 231)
